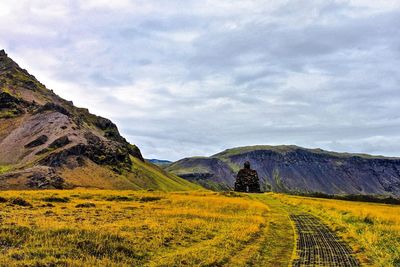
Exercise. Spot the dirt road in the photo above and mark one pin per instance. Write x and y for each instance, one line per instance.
(317, 245)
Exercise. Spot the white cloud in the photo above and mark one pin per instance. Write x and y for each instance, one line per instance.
(115, 4)
(186, 78)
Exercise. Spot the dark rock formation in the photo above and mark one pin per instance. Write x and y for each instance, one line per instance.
(247, 180)
(41, 140)
(58, 159)
(99, 151)
(10, 106)
(6, 64)
(8, 101)
(135, 151)
(107, 152)
(53, 107)
(110, 129)
(40, 181)
(60, 142)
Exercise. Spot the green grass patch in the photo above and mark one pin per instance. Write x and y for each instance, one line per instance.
(5, 168)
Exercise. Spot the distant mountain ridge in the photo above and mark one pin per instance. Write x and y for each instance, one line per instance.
(296, 169)
(159, 162)
(47, 142)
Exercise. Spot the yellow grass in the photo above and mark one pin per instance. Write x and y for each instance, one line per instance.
(373, 230)
(130, 228)
(146, 228)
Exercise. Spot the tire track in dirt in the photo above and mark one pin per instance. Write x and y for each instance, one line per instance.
(317, 245)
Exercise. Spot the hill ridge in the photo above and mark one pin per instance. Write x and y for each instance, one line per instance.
(288, 148)
(289, 168)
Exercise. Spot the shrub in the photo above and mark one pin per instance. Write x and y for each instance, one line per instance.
(150, 199)
(56, 199)
(119, 198)
(20, 202)
(85, 205)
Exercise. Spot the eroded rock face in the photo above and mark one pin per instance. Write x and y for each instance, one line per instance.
(135, 151)
(10, 106)
(37, 177)
(46, 181)
(8, 101)
(37, 142)
(60, 142)
(107, 152)
(247, 180)
(98, 150)
(110, 129)
(53, 107)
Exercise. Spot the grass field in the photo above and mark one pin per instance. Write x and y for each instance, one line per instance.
(149, 228)
(127, 228)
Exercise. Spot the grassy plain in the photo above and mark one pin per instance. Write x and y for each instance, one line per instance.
(373, 230)
(129, 228)
(150, 228)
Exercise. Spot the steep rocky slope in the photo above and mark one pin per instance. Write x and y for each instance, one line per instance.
(296, 169)
(47, 142)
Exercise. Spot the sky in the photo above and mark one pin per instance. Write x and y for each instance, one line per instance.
(188, 78)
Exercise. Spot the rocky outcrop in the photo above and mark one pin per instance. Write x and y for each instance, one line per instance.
(37, 177)
(41, 140)
(135, 152)
(109, 128)
(60, 142)
(107, 152)
(10, 106)
(100, 152)
(296, 169)
(53, 107)
(8, 101)
(40, 181)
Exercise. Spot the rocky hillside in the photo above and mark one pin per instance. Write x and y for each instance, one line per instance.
(296, 169)
(47, 142)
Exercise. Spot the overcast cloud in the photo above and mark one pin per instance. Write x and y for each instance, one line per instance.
(185, 78)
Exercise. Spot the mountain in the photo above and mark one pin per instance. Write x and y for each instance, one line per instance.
(159, 162)
(47, 142)
(296, 169)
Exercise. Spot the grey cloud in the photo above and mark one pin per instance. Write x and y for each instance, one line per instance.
(190, 79)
